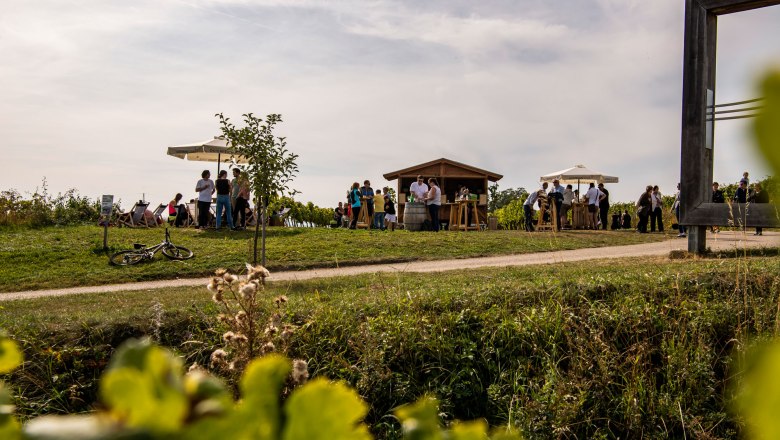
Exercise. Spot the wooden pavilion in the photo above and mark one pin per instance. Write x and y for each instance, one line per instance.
(450, 175)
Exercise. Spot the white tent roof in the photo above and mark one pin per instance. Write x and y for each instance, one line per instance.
(214, 150)
(578, 173)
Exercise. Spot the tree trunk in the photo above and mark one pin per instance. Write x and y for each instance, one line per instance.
(258, 218)
(265, 214)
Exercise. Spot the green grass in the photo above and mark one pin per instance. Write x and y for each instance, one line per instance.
(59, 257)
(597, 349)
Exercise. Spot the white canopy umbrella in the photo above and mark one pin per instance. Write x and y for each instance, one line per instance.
(214, 150)
(577, 174)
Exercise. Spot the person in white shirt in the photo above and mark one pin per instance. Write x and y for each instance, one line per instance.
(204, 188)
(593, 196)
(433, 200)
(568, 198)
(528, 207)
(656, 215)
(418, 189)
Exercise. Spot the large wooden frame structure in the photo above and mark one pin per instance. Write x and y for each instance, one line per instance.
(696, 211)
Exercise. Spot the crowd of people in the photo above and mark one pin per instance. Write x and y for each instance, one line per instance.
(649, 206)
(597, 199)
(232, 202)
(379, 205)
(232, 198)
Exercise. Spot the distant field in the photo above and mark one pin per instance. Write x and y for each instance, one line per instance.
(72, 256)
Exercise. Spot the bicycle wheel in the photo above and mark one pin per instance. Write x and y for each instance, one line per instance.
(126, 258)
(177, 252)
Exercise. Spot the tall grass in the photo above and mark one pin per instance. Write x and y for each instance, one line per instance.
(643, 348)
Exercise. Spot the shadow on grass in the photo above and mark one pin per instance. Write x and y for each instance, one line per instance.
(726, 254)
(248, 233)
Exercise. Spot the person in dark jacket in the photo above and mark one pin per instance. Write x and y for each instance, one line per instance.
(741, 195)
(367, 193)
(603, 206)
(717, 197)
(759, 196)
(644, 205)
(626, 221)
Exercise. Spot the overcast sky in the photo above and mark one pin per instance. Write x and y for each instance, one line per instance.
(93, 92)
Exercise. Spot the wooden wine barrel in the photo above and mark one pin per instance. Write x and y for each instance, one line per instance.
(414, 216)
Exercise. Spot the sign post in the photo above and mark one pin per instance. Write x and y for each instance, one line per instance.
(106, 207)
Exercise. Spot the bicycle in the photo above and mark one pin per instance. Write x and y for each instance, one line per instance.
(142, 252)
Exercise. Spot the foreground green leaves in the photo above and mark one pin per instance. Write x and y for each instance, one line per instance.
(147, 396)
(767, 123)
(10, 358)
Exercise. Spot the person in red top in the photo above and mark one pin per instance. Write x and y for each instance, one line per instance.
(177, 213)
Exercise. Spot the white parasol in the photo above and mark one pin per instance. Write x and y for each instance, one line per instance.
(214, 150)
(577, 174)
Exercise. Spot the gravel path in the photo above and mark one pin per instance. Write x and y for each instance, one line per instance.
(722, 241)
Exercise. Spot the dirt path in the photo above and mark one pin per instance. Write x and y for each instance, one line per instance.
(722, 241)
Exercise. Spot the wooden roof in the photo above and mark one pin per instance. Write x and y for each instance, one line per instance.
(437, 167)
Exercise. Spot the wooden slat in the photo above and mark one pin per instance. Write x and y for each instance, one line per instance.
(722, 214)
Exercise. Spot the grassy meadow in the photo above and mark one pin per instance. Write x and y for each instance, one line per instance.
(56, 257)
(643, 347)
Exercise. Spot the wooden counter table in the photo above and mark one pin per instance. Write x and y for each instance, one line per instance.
(459, 219)
(579, 215)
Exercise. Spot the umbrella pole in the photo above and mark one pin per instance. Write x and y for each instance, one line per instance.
(219, 162)
(578, 188)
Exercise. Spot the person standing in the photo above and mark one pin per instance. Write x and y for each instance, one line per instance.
(568, 198)
(676, 210)
(741, 196)
(418, 189)
(760, 196)
(204, 188)
(745, 179)
(593, 197)
(528, 210)
(557, 194)
(223, 199)
(603, 207)
(354, 200)
(379, 210)
(717, 197)
(656, 211)
(367, 193)
(433, 200)
(643, 207)
(241, 200)
(390, 218)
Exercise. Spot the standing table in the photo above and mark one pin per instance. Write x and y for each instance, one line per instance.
(461, 220)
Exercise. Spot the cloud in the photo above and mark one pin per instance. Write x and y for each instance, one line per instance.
(98, 90)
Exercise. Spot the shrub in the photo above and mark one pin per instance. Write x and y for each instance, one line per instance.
(42, 209)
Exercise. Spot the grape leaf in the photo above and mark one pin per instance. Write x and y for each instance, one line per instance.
(767, 123)
(10, 356)
(759, 396)
(420, 421)
(260, 387)
(324, 410)
(143, 387)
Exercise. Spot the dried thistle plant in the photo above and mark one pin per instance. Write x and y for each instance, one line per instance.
(250, 333)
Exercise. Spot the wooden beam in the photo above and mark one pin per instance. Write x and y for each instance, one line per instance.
(737, 214)
(722, 7)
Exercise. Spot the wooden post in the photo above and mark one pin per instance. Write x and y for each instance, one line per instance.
(697, 143)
